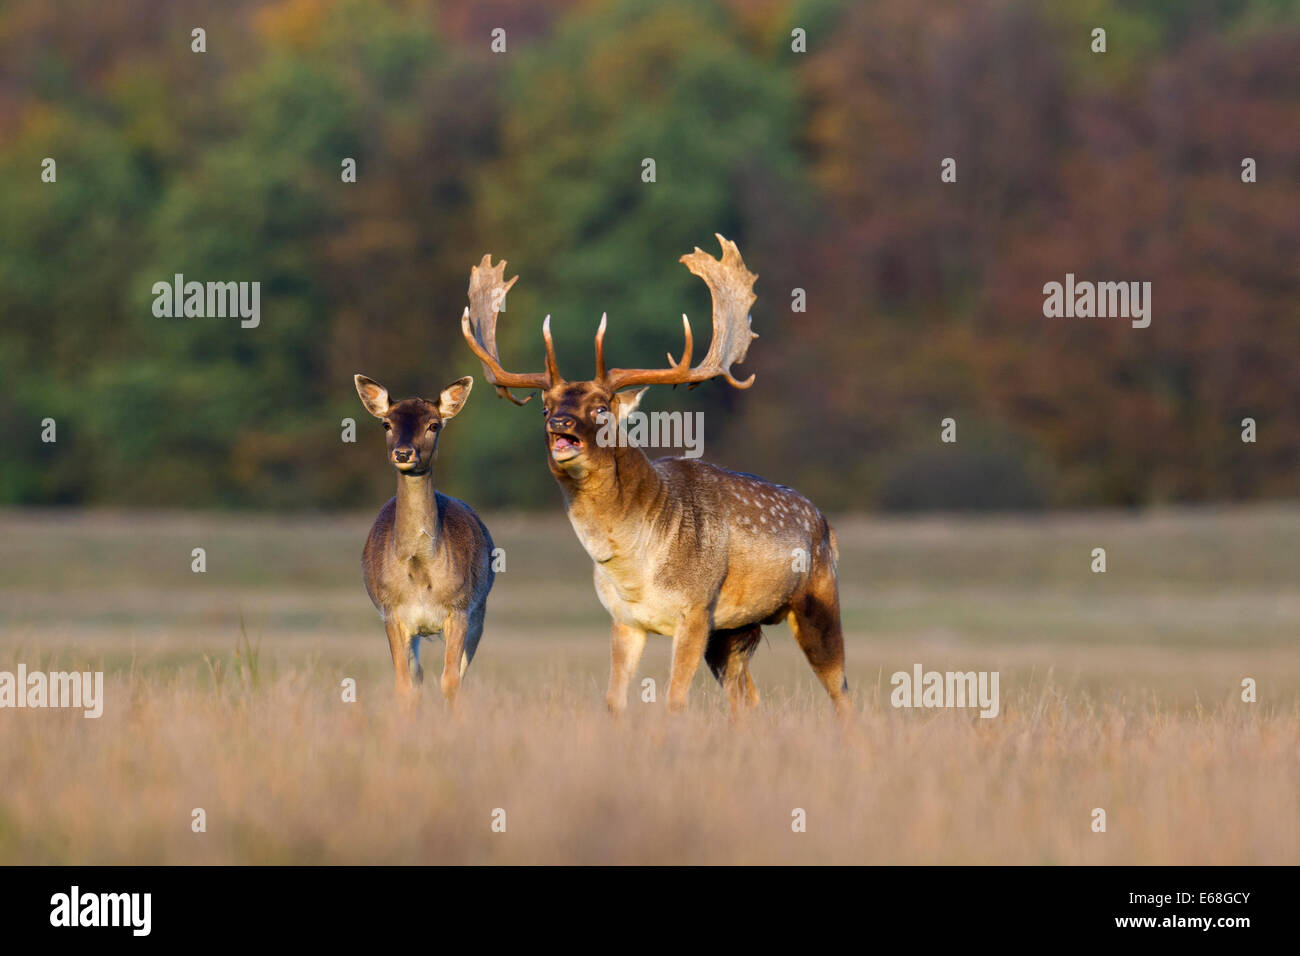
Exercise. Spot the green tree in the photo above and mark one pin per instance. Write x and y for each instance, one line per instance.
(567, 205)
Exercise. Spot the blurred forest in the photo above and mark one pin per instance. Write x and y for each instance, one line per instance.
(924, 299)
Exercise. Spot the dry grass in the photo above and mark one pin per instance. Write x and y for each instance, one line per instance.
(1118, 691)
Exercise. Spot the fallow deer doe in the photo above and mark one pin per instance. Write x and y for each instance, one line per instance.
(681, 547)
(428, 559)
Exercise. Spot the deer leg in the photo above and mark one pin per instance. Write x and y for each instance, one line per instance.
(407, 673)
(727, 655)
(454, 630)
(472, 635)
(734, 682)
(689, 642)
(751, 689)
(815, 619)
(625, 646)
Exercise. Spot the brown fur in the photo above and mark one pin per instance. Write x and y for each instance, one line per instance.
(697, 552)
(680, 547)
(428, 559)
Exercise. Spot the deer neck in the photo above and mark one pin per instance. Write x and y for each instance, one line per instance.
(417, 526)
(609, 508)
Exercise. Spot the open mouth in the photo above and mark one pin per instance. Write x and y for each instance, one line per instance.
(565, 446)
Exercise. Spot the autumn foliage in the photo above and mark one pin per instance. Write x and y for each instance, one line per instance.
(923, 298)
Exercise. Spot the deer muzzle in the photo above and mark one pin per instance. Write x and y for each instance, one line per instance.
(561, 433)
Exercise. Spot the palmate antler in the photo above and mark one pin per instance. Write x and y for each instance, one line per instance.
(732, 288)
(487, 292)
(730, 284)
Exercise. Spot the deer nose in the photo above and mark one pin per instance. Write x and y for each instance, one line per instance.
(403, 454)
(560, 423)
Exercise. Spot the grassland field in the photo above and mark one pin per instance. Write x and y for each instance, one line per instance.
(1119, 691)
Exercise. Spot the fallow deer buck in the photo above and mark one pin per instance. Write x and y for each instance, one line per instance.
(681, 547)
(428, 559)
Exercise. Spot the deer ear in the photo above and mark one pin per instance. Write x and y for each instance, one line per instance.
(454, 397)
(628, 402)
(373, 395)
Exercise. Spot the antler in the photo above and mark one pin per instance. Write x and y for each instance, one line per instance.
(732, 288)
(487, 291)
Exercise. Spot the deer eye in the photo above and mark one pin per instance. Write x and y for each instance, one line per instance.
(433, 427)
(387, 427)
